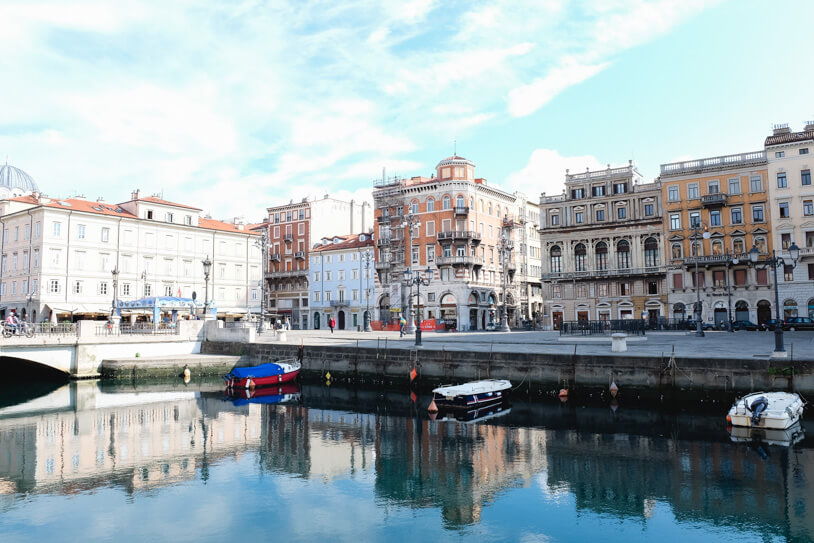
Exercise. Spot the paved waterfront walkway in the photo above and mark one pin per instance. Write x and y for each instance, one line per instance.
(799, 345)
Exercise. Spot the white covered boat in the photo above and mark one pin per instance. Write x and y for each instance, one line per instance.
(472, 394)
(768, 410)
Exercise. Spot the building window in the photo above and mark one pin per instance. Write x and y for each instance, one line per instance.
(148, 289)
(784, 210)
(430, 204)
(602, 289)
(57, 229)
(734, 185)
(740, 277)
(695, 219)
(619, 188)
(648, 210)
(600, 215)
(756, 183)
(621, 212)
(414, 207)
(125, 289)
(168, 217)
(757, 213)
(598, 190)
(578, 217)
(556, 259)
(601, 256)
(715, 218)
(555, 219)
(579, 257)
(737, 215)
(717, 247)
(672, 193)
(718, 278)
(167, 290)
(188, 220)
(811, 272)
(785, 241)
(762, 276)
(781, 180)
(760, 243)
(430, 253)
(779, 154)
(808, 207)
(149, 213)
(738, 246)
(624, 289)
(692, 191)
(447, 202)
(676, 250)
(675, 221)
(804, 151)
(103, 287)
(678, 280)
(623, 255)
(556, 291)
(788, 273)
(578, 194)
(805, 176)
(651, 252)
(53, 286)
(652, 287)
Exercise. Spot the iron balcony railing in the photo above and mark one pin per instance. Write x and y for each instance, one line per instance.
(459, 261)
(714, 200)
(286, 274)
(465, 235)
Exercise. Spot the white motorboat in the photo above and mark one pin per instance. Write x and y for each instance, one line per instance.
(472, 394)
(768, 410)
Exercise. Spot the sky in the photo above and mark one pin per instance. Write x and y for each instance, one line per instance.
(241, 105)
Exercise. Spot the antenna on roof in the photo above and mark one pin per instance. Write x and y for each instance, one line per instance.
(454, 147)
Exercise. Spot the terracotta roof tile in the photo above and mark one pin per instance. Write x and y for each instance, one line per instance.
(155, 200)
(350, 242)
(791, 137)
(212, 224)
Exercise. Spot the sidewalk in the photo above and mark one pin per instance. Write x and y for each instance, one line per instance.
(799, 345)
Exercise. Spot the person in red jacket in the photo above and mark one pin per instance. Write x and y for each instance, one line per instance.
(332, 324)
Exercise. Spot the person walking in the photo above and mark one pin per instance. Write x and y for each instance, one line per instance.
(331, 324)
(402, 324)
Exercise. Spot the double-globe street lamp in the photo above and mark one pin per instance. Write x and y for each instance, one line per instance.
(114, 316)
(207, 266)
(505, 247)
(367, 258)
(774, 262)
(411, 222)
(696, 229)
(418, 280)
(263, 244)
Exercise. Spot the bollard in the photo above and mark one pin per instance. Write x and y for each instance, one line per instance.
(280, 335)
(619, 343)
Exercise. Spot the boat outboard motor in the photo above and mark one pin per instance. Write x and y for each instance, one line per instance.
(758, 406)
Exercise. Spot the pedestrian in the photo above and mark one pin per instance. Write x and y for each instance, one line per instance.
(402, 323)
(331, 324)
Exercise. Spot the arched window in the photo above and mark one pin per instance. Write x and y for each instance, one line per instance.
(717, 247)
(481, 205)
(556, 259)
(760, 243)
(460, 201)
(811, 308)
(741, 311)
(430, 204)
(696, 249)
(447, 202)
(414, 207)
(601, 256)
(490, 208)
(623, 255)
(738, 246)
(579, 257)
(679, 311)
(789, 309)
(651, 252)
(497, 212)
(676, 250)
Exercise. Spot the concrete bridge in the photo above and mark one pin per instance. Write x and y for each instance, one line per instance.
(80, 354)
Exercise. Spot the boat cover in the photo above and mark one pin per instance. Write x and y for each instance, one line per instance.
(474, 387)
(263, 370)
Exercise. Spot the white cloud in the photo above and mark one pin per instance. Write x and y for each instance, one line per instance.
(529, 98)
(545, 172)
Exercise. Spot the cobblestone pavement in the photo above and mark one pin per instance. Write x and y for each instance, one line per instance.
(715, 344)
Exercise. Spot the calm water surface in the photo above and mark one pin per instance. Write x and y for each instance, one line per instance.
(93, 463)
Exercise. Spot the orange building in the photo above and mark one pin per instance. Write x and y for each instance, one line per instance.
(727, 198)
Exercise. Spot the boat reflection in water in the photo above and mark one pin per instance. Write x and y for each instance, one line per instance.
(768, 436)
(288, 392)
(472, 416)
(369, 464)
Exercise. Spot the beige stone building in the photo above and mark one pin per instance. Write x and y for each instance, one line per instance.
(603, 248)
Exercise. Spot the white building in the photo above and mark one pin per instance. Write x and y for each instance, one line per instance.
(528, 257)
(58, 256)
(342, 282)
(791, 196)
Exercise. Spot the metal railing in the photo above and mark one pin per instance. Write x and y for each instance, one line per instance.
(137, 329)
(51, 329)
(459, 261)
(635, 327)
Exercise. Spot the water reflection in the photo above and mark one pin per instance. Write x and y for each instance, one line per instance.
(594, 462)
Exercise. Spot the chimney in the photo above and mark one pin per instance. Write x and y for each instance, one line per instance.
(135, 195)
(809, 126)
(782, 128)
(100, 199)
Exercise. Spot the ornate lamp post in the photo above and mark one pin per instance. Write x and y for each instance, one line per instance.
(207, 266)
(699, 326)
(505, 246)
(114, 315)
(367, 257)
(774, 262)
(418, 280)
(411, 222)
(263, 243)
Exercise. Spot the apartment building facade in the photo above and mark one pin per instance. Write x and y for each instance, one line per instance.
(293, 229)
(603, 248)
(452, 223)
(58, 256)
(789, 157)
(727, 198)
(343, 281)
(527, 256)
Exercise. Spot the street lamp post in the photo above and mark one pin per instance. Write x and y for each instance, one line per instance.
(207, 266)
(775, 262)
(505, 247)
(696, 228)
(367, 256)
(411, 222)
(418, 280)
(114, 316)
(263, 243)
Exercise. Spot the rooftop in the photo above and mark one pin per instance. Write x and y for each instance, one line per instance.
(790, 137)
(351, 241)
(755, 158)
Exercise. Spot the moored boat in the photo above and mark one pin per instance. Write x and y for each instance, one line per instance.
(269, 374)
(769, 410)
(472, 394)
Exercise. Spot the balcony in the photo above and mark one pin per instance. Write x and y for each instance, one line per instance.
(383, 265)
(461, 210)
(288, 238)
(338, 303)
(714, 200)
(806, 251)
(286, 274)
(299, 254)
(474, 261)
(593, 274)
(383, 219)
(381, 242)
(275, 257)
(459, 235)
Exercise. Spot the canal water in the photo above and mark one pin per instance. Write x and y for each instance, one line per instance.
(167, 462)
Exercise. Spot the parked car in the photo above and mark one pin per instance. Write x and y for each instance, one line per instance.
(770, 324)
(704, 325)
(798, 323)
(744, 325)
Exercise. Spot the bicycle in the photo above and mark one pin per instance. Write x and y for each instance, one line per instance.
(24, 328)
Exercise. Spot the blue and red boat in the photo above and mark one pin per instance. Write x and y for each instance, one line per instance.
(269, 374)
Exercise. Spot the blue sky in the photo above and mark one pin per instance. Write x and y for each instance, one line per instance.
(236, 106)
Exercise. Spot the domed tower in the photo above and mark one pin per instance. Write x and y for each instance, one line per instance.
(15, 182)
(455, 167)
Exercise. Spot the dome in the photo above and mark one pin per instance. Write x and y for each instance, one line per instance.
(15, 181)
(455, 160)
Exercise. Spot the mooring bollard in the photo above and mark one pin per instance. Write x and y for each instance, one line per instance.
(280, 335)
(619, 342)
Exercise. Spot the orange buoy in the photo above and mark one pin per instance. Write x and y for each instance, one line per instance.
(729, 418)
(432, 407)
(413, 374)
(563, 393)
